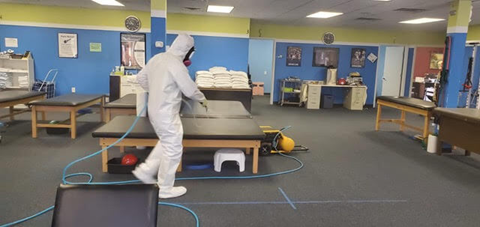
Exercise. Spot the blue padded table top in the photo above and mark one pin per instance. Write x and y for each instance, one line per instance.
(194, 128)
(13, 95)
(67, 100)
(412, 102)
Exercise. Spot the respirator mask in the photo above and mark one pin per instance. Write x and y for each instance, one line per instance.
(186, 61)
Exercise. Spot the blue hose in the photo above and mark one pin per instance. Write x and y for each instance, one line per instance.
(65, 176)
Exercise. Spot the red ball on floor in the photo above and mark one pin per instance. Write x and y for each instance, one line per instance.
(129, 160)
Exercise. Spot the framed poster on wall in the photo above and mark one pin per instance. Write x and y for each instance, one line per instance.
(358, 58)
(325, 57)
(436, 60)
(67, 45)
(133, 50)
(294, 56)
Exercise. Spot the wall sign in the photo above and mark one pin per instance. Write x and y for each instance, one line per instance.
(67, 45)
(133, 52)
(294, 56)
(11, 42)
(358, 58)
(372, 58)
(95, 47)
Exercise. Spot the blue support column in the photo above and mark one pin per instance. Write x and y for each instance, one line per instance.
(458, 22)
(158, 25)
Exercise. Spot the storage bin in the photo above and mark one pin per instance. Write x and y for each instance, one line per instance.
(327, 102)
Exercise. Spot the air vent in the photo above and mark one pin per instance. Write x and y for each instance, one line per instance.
(411, 10)
(192, 8)
(368, 18)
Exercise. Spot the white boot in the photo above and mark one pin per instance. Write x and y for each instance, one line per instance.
(143, 176)
(172, 192)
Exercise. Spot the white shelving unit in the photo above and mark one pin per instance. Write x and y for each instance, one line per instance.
(17, 69)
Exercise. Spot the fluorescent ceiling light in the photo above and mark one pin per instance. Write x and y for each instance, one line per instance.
(382, 0)
(421, 20)
(323, 14)
(219, 9)
(108, 2)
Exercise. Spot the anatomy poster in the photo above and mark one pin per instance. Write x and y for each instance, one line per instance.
(133, 50)
(67, 45)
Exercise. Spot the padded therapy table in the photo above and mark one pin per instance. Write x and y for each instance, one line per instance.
(10, 98)
(198, 132)
(71, 103)
(411, 105)
(127, 105)
(459, 127)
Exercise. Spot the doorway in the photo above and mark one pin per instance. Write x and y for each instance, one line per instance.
(393, 71)
(260, 61)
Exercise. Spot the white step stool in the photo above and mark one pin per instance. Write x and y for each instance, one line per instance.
(229, 155)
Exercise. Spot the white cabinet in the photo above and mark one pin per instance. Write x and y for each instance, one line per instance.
(20, 72)
(129, 85)
(313, 100)
(355, 98)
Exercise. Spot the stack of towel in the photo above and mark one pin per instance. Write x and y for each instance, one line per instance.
(3, 80)
(23, 81)
(219, 77)
(222, 79)
(204, 79)
(239, 80)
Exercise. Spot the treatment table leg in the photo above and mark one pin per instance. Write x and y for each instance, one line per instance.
(34, 122)
(467, 153)
(108, 116)
(73, 123)
(247, 151)
(102, 110)
(44, 115)
(11, 112)
(255, 160)
(426, 127)
(379, 115)
(104, 160)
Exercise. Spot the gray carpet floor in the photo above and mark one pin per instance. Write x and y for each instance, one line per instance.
(353, 176)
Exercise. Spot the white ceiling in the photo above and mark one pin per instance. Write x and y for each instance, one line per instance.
(294, 12)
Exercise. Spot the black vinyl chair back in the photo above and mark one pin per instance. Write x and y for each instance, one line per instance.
(106, 206)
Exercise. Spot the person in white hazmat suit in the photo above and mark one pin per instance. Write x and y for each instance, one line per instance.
(165, 78)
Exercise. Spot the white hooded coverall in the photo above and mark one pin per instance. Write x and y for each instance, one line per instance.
(165, 78)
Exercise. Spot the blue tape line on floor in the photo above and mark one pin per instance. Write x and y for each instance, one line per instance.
(288, 199)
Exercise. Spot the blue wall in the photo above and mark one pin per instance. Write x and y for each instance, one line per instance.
(217, 51)
(408, 75)
(260, 60)
(89, 73)
(308, 72)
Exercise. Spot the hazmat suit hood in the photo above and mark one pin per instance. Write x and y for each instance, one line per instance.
(181, 46)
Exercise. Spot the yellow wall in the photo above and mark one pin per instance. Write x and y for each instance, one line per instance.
(473, 32)
(188, 22)
(69, 15)
(346, 34)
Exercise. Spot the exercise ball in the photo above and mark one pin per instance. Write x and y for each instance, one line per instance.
(129, 160)
(286, 144)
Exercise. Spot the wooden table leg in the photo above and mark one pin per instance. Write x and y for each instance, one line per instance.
(247, 150)
(467, 153)
(11, 112)
(255, 160)
(73, 124)
(102, 109)
(426, 127)
(104, 160)
(379, 115)
(34, 122)
(402, 119)
(179, 168)
(44, 115)
(108, 116)
(122, 149)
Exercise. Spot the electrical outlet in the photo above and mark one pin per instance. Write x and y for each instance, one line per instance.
(73, 89)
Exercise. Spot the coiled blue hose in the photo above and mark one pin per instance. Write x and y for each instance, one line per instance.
(65, 176)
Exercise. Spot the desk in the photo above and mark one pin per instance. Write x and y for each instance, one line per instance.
(458, 127)
(350, 98)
